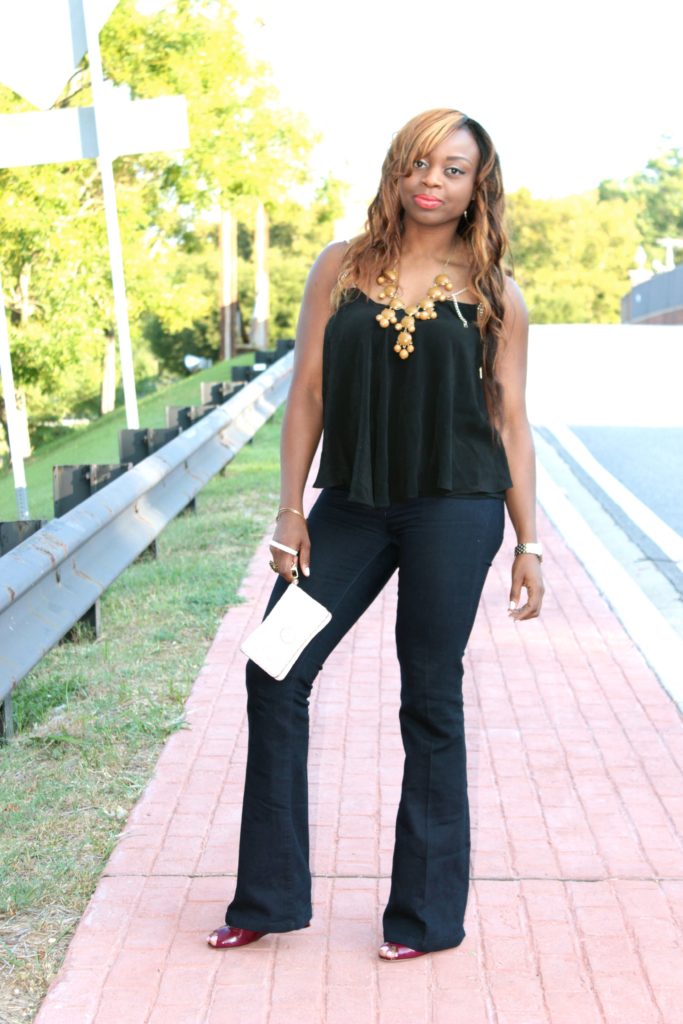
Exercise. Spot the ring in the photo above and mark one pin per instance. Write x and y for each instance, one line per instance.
(295, 573)
(273, 566)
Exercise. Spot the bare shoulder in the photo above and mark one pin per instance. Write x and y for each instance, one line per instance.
(516, 312)
(321, 279)
(325, 270)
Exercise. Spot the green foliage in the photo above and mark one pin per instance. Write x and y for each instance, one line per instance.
(297, 234)
(56, 288)
(571, 256)
(657, 194)
(243, 143)
(245, 147)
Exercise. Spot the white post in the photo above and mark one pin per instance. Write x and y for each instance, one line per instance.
(224, 285)
(16, 446)
(113, 232)
(228, 283)
(259, 322)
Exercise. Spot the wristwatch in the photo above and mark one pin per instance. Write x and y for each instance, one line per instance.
(532, 548)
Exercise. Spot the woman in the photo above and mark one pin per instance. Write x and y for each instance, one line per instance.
(425, 440)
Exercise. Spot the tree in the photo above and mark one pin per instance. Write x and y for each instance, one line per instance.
(55, 275)
(245, 149)
(657, 193)
(53, 251)
(297, 234)
(571, 256)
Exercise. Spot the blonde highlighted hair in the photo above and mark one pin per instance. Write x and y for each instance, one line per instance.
(483, 232)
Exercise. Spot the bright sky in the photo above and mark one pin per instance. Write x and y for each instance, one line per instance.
(571, 93)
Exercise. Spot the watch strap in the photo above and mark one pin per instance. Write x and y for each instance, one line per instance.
(530, 548)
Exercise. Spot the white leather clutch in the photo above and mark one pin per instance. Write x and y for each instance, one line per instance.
(284, 633)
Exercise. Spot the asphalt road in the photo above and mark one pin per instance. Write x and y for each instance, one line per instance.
(647, 460)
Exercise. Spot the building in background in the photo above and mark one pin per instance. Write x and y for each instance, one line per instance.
(656, 296)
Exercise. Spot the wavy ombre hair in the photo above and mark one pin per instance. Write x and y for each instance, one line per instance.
(379, 247)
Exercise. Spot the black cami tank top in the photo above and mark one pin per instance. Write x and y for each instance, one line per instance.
(395, 429)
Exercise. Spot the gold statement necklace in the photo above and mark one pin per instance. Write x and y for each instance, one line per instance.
(441, 289)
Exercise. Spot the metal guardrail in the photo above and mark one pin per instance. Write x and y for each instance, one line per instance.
(50, 580)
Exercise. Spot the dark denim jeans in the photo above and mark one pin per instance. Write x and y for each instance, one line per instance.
(442, 547)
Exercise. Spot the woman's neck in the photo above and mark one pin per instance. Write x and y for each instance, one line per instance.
(421, 243)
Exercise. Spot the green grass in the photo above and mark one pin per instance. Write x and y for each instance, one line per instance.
(92, 717)
(98, 442)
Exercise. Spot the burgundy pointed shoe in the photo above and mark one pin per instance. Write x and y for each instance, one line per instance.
(395, 951)
(228, 937)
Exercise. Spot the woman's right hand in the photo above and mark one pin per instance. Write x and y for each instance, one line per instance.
(292, 531)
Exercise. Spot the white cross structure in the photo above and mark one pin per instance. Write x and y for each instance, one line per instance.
(42, 43)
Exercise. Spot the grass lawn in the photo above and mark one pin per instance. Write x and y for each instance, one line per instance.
(99, 441)
(92, 717)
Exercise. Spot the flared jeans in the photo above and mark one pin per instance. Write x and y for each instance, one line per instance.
(442, 548)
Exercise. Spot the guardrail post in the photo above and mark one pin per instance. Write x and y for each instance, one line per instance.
(265, 358)
(6, 719)
(283, 346)
(183, 417)
(70, 486)
(244, 373)
(135, 445)
(216, 392)
(73, 484)
(13, 532)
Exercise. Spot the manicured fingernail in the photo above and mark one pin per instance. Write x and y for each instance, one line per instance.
(306, 570)
(512, 606)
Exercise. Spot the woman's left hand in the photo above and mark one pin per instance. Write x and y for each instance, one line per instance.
(526, 572)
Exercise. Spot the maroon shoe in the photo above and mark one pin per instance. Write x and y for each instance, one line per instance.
(395, 951)
(228, 937)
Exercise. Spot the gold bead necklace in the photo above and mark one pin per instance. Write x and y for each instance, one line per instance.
(423, 310)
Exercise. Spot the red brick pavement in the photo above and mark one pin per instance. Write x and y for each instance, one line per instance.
(576, 784)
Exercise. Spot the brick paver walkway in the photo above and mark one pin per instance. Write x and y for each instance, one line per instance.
(576, 785)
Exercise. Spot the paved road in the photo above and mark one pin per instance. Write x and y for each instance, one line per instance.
(647, 460)
(616, 495)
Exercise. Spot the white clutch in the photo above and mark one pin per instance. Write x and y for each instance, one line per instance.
(284, 633)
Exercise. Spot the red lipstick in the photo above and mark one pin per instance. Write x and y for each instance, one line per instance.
(428, 202)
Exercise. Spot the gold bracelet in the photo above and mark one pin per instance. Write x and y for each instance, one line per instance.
(287, 509)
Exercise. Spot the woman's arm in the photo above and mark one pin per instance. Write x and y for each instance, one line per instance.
(303, 419)
(520, 499)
